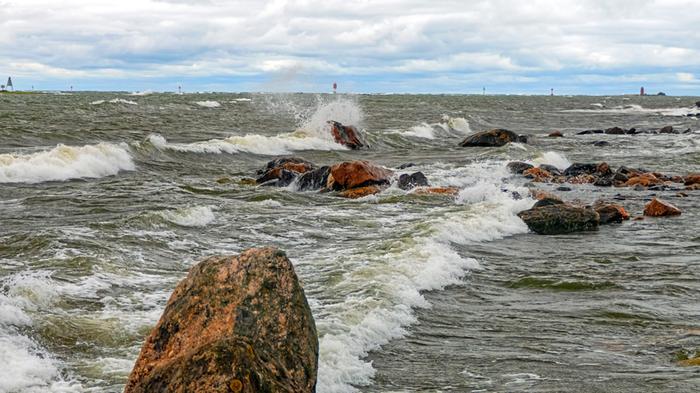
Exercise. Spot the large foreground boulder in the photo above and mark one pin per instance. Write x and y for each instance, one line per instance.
(235, 324)
(560, 218)
(346, 135)
(356, 174)
(492, 138)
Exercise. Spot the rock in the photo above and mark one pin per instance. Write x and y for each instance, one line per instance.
(551, 169)
(631, 131)
(667, 130)
(589, 132)
(314, 180)
(580, 169)
(643, 179)
(660, 208)
(693, 178)
(436, 190)
(661, 93)
(496, 137)
(555, 134)
(418, 179)
(603, 169)
(582, 179)
(697, 104)
(604, 181)
(601, 143)
(355, 174)
(407, 165)
(538, 175)
(237, 323)
(616, 131)
(611, 213)
(518, 167)
(548, 200)
(346, 135)
(561, 218)
(282, 171)
(360, 192)
(693, 187)
(695, 361)
(563, 188)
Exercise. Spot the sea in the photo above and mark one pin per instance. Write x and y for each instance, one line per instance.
(107, 199)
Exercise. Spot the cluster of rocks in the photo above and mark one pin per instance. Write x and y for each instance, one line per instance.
(350, 179)
(492, 138)
(234, 324)
(550, 215)
(633, 131)
(600, 174)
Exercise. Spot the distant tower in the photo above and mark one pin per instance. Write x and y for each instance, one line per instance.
(335, 87)
(551, 92)
(483, 90)
(9, 83)
(71, 87)
(641, 91)
(179, 89)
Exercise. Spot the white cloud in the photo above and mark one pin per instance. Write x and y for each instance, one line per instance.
(686, 77)
(180, 38)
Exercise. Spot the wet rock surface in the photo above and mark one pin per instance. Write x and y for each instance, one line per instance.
(235, 324)
(346, 135)
(492, 138)
(660, 208)
(559, 219)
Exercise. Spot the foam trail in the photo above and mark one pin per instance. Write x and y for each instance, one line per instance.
(197, 216)
(115, 101)
(634, 108)
(208, 104)
(66, 162)
(250, 143)
(426, 261)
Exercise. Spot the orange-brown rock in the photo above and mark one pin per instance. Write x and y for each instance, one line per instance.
(644, 179)
(611, 212)
(346, 135)
(659, 208)
(436, 191)
(582, 179)
(354, 174)
(555, 134)
(237, 323)
(691, 179)
(284, 170)
(693, 187)
(603, 169)
(690, 362)
(538, 175)
(360, 192)
(540, 195)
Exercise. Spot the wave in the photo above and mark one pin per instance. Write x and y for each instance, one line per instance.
(197, 216)
(208, 104)
(141, 93)
(250, 143)
(66, 162)
(450, 126)
(424, 259)
(558, 160)
(114, 101)
(236, 100)
(634, 108)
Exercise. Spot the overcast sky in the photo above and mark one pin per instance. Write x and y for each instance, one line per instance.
(577, 46)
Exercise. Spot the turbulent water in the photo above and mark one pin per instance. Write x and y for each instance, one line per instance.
(106, 200)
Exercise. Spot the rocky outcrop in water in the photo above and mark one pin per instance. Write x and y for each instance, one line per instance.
(356, 174)
(555, 134)
(518, 166)
(234, 324)
(560, 218)
(417, 179)
(660, 208)
(282, 171)
(492, 138)
(610, 213)
(346, 135)
(314, 180)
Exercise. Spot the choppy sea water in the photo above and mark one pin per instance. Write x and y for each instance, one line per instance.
(107, 199)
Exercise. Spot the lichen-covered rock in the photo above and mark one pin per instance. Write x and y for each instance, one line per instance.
(235, 324)
(518, 167)
(538, 175)
(660, 208)
(360, 192)
(417, 179)
(346, 135)
(611, 213)
(354, 174)
(643, 179)
(492, 138)
(559, 219)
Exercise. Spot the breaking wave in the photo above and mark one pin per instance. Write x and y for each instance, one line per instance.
(66, 162)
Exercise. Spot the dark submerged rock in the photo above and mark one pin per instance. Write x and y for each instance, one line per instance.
(615, 131)
(492, 138)
(589, 132)
(234, 324)
(518, 167)
(668, 130)
(406, 165)
(418, 179)
(580, 169)
(314, 180)
(559, 219)
(551, 169)
(601, 143)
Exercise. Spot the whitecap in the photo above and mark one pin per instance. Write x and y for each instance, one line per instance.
(208, 104)
(66, 162)
(558, 160)
(196, 216)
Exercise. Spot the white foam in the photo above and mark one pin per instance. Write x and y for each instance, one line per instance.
(236, 100)
(450, 126)
(141, 93)
(66, 162)
(114, 101)
(634, 108)
(551, 158)
(196, 216)
(343, 110)
(251, 143)
(423, 130)
(269, 203)
(208, 104)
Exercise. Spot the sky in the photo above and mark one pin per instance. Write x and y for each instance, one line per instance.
(391, 46)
